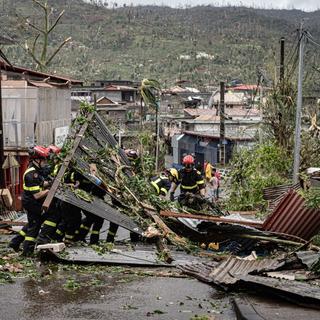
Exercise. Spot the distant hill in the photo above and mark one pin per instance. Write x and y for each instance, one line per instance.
(202, 44)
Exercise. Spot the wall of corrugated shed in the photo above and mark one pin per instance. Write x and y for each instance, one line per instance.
(31, 114)
(19, 115)
(54, 110)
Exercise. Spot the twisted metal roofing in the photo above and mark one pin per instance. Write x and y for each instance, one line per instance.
(292, 217)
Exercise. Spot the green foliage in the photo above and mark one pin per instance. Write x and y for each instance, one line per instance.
(5, 277)
(312, 198)
(103, 247)
(150, 90)
(83, 195)
(201, 317)
(71, 284)
(252, 171)
(148, 42)
(86, 108)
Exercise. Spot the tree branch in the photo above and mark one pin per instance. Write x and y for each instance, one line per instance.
(34, 44)
(56, 22)
(34, 26)
(57, 50)
(40, 4)
(33, 56)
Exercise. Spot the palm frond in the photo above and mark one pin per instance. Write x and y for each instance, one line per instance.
(150, 90)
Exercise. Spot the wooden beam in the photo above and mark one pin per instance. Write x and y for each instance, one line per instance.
(66, 163)
(257, 225)
(5, 223)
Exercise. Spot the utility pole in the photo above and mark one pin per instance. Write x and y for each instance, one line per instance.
(2, 181)
(281, 59)
(157, 134)
(222, 126)
(297, 140)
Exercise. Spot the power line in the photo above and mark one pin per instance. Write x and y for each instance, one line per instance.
(310, 38)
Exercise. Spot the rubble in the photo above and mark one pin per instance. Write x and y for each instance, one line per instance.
(130, 203)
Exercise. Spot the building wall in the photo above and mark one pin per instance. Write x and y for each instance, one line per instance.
(30, 114)
(232, 129)
(113, 95)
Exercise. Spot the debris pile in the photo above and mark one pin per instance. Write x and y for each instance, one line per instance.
(275, 276)
(131, 203)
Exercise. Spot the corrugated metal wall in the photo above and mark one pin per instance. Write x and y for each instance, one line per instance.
(31, 114)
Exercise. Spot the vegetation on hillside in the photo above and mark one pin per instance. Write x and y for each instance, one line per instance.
(201, 44)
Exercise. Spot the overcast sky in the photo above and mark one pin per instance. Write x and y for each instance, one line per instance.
(307, 5)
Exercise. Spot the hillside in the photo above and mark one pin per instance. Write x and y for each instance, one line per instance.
(161, 42)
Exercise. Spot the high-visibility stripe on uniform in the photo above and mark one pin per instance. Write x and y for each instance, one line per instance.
(200, 182)
(55, 170)
(69, 236)
(59, 232)
(84, 227)
(95, 232)
(22, 233)
(111, 233)
(154, 183)
(189, 187)
(164, 190)
(30, 239)
(50, 223)
(34, 188)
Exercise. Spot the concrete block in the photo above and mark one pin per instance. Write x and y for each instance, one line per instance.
(55, 247)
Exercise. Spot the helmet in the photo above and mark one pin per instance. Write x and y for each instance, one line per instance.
(38, 152)
(53, 149)
(188, 160)
(174, 173)
(131, 154)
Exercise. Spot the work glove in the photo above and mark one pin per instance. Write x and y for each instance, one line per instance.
(171, 196)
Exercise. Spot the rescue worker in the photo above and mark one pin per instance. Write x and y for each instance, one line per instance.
(53, 215)
(189, 179)
(34, 193)
(161, 184)
(91, 220)
(71, 215)
(173, 175)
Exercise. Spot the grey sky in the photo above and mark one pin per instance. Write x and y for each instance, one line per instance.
(306, 5)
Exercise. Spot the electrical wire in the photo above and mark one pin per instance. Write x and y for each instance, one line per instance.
(310, 38)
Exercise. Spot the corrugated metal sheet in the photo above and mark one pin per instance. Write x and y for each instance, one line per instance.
(295, 291)
(273, 193)
(99, 208)
(144, 256)
(228, 271)
(292, 217)
(308, 258)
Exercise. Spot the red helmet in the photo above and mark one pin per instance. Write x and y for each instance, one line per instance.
(38, 152)
(53, 149)
(188, 160)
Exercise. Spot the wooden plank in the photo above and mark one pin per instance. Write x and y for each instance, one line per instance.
(66, 163)
(209, 218)
(12, 223)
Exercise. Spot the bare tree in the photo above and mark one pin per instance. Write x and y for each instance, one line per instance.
(41, 40)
